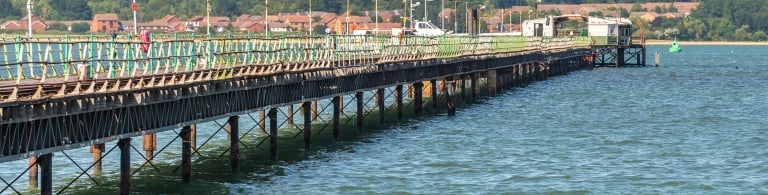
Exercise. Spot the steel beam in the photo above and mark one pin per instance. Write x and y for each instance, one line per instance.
(45, 162)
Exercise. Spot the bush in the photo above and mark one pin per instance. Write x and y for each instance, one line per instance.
(57, 27)
(81, 27)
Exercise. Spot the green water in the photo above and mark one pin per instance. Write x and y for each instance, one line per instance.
(695, 125)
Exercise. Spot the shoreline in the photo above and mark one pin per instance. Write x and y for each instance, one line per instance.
(666, 42)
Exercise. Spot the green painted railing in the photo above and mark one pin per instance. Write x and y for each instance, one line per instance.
(105, 57)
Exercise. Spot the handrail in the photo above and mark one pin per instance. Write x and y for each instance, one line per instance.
(108, 57)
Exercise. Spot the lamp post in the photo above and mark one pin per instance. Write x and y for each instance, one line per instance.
(208, 16)
(266, 17)
(135, 8)
(377, 16)
(29, 17)
(442, 14)
(347, 18)
(455, 17)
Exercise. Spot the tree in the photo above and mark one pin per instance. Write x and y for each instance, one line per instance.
(658, 10)
(81, 27)
(7, 10)
(70, 10)
(57, 27)
(636, 7)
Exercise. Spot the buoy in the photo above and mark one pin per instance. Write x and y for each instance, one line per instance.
(145, 41)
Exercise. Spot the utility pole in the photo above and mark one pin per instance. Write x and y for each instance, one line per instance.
(29, 15)
(266, 17)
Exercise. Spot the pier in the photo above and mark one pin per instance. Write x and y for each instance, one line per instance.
(62, 93)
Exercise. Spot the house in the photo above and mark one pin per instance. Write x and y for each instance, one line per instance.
(492, 24)
(344, 23)
(382, 26)
(253, 26)
(297, 22)
(108, 22)
(646, 16)
(38, 24)
(279, 27)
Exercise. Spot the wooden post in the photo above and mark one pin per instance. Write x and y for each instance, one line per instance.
(272, 133)
(262, 122)
(186, 154)
(234, 143)
(491, 77)
(33, 172)
(434, 94)
(418, 101)
(96, 151)
(360, 114)
(314, 110)
(45, 162)
(307, 107)
(149, 141)
(473, 84)
(380, 104)
(125, 165)
(290, 114)
(449, 91)
(399, 100)
(336, 113)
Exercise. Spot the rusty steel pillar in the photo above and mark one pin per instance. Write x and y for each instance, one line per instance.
(399, 100)
(289, 114)
(433, 82)
(186, 154)
(307, 107)
(463, 88)
(473, 84)
(491, 77)
(272, 133)
(314, 109)
(449, 100)
(359, 97)
(149, 141)
(193, 137)
(380, 104)
(418, 101)
(125, 165)
(96, 151)
(234, 143)
(45, 162)
(336, 113)
(33, 172)
(262, 122)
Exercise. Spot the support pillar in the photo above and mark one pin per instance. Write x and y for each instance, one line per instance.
(96, 151)
(290, 114)
(449, 91)
(193, 137)
(45, 162)
(380, 104)
(234, 143)
(491, 76)
(399, 100)
(473, 84)
(186, 154)
(359, 97)
(336, 113)
(418, 101)
(272, 133)
(314, 109)
(33, 172)
(125, 165)
(463, 88)
(307, 107)
(149, 141)
(262, 122)
(434, 94)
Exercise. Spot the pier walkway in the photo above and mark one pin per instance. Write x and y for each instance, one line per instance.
(68, 92)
